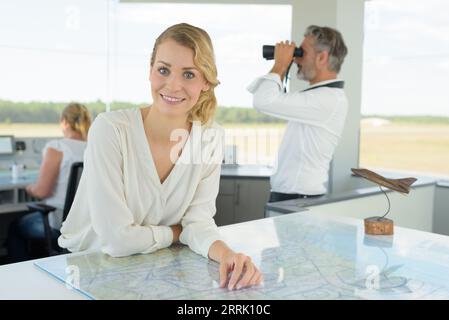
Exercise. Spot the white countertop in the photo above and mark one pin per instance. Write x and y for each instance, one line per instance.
(24, 281)
(246, 171)
(302, 255)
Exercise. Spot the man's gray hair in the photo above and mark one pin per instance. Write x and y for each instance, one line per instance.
(330, 40)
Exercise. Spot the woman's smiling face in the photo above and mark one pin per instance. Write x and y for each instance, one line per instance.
(176, 83)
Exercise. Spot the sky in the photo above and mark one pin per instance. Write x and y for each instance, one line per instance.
(406, 57)
(61, 50)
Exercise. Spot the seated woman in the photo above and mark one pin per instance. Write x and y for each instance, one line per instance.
(51, 186)
(151, 175)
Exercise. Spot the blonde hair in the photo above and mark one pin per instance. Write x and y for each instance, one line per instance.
(78, 118)
(203, 57)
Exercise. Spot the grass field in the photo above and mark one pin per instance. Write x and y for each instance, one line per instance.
(403, 146)
(408, 147)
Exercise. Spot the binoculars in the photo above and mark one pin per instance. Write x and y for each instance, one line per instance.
(268, 52)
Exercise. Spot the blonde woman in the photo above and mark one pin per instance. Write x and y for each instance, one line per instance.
(51, 185)
(151, 175)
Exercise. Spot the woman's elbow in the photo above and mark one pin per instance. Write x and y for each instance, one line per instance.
(120, 250)
(42, 193)
(114, 253)
(119, 245)
(117, 250)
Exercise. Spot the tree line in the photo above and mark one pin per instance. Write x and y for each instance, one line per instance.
(49, 112)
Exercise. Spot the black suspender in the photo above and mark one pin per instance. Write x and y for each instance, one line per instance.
(336, 84)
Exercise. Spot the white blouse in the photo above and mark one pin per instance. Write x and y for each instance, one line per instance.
(122, 208)
(72, 151)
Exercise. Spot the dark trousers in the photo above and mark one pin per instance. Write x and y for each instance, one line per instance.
(21, 231)
(278, 196)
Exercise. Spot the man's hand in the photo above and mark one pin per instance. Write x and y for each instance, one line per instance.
(283, 56)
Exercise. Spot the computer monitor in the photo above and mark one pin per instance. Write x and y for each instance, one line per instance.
(6, 145)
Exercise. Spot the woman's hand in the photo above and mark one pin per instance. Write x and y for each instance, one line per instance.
(177, 229)
(244, 272)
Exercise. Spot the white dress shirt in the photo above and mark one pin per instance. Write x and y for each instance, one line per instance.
(122, 208)
(315, 123)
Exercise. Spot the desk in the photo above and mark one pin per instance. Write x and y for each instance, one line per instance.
(246, 171)
(302, 255)
(13, 197)
(6, 181)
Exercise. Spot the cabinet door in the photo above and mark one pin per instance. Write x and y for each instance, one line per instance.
(251, 195)
(225, 210)
(225, 203)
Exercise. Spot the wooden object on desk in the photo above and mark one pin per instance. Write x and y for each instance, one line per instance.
(378, 226)
(381, 225)
(399, 185)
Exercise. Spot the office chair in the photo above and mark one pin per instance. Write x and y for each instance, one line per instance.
(74, 178)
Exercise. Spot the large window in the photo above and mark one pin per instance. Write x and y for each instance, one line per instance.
(52, 52)
(405, 102)
(98, 51)
(238, 44)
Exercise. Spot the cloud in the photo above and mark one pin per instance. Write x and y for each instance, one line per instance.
(410, 21)
(221, 17)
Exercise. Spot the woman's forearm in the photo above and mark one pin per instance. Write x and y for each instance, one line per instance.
(176, 229)
(218, 250)
(36, 191)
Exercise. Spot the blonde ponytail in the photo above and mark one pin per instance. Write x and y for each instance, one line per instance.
(78, 118)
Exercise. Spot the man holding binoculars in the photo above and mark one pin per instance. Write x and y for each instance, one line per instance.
(315, 115)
